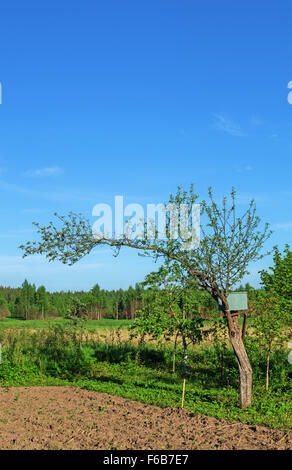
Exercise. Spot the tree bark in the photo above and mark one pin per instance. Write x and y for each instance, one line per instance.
(243, 331)
(185, 357)
(185, 368)
(174, 353)
(268, 369)
(245, 369)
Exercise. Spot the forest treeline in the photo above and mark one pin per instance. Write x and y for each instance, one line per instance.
(29, 302)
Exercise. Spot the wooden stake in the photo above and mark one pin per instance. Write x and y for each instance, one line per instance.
(183, 393)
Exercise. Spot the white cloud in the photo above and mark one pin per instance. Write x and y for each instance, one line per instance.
(55, 276)
(15, 233)
(54, 196)
(44, 172)
(287, 226)
(221, 123)
(243, 169)
(39, 264)
(32, 211)
(255, 122)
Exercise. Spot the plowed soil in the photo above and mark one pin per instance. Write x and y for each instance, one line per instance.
(71, 418)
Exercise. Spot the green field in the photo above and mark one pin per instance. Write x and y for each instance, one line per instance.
(107, 324)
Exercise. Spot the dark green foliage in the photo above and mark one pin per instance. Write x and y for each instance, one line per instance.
(76, 309)
(30, 303)
(41, 300)
(278, 280)
(4, 308)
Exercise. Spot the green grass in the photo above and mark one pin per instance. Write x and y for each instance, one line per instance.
(58, 356)
(16, 323)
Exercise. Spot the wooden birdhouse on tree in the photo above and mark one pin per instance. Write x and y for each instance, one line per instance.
(237, 302)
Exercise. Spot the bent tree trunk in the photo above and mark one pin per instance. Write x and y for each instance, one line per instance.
(245, 369)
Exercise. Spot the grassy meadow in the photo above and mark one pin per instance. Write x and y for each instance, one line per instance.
(19, 323)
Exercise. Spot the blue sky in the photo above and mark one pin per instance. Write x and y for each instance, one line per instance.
(133, 98)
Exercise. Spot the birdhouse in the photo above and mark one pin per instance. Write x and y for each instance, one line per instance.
(237, 301)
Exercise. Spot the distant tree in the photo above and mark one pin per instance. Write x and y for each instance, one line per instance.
(41, 300)
(77, 309)
(12, 303)
(278, 280)
(95, 291)
(59, 302)
(228, 245)
(251, 291)
(268, 325)
(4, 309)
(27, 298)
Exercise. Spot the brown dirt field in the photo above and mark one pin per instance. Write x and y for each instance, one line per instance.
(71, 418)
